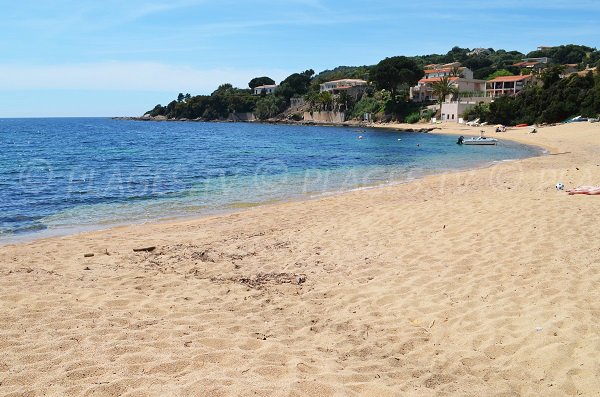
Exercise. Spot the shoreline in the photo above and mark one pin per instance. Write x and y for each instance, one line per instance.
(216, 213)
(349, 123)
(483, 281)
(442, 128)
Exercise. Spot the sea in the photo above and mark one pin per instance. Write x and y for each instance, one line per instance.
(61, 176)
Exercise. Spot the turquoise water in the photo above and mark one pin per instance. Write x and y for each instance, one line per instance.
(63, 175)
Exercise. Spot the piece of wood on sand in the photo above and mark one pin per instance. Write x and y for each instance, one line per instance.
(144, 249)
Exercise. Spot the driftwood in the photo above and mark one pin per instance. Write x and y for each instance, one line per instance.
(144, 249)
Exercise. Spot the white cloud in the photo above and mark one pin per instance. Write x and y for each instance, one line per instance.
(134, 76)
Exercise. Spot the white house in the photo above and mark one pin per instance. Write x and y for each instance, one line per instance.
(453, 110)
(340, 85)
(264, 89)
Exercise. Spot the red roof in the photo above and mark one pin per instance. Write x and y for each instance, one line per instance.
(446, 70)
(509, 79)
(526, 64)
(429, 71)
(434, 79)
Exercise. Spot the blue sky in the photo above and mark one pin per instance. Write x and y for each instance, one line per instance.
(122, 57)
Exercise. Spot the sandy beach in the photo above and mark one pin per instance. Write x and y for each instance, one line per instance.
(475, 283)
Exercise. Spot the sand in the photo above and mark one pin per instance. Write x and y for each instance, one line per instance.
(478, 283)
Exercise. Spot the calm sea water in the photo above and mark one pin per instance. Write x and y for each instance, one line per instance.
(63, 175)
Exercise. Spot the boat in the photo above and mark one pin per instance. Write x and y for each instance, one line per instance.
(480, 140)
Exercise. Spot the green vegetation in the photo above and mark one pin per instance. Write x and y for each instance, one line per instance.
(480, 111)
(417, 116)
(413, 118)
(341, 72)
(258, 81)
(569, 54)
(227, 99)
(396, 73)
(370, 104)
(553, 102)
(269, 106)
(295, 85)
(499, 73)
(552, 99)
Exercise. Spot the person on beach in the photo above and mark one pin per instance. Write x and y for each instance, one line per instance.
(589, 190)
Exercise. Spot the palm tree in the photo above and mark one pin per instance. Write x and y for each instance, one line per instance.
(342, 100)
(442, 88)
(325, 100)
(455, 71)
(312, 98)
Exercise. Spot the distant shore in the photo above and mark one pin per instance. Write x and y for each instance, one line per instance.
(424, 127)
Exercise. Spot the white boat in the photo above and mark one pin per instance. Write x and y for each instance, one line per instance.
(480, 140)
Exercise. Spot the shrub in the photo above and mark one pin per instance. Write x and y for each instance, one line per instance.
(480, 111)
(367, 105)
(413, 118)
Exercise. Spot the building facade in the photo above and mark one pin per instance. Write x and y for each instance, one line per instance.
(336, 86)
(507, 85)
(454, 110)
(465, 84)
(264, 89)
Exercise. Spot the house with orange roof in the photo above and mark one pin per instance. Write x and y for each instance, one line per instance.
(470, 91)
(535, 64)
(507, 85)
(464, 83)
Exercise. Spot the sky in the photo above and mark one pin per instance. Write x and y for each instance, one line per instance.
(64, 58)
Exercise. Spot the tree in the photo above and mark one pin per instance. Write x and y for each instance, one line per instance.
(296, 84)
(258, 81)
(170, 107)
(268, 107)
(180, 97)
(223, 89)
(325, 100)
(478, 62)
(342, 101)
(552, 75)
(456, 71)
(392, 73)
(502, 111)
(499, 73)
(458, 54)
(443, 88)
(367, 104)
(569, 53)
(480, 111)
(157, 111)
(341, 72)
